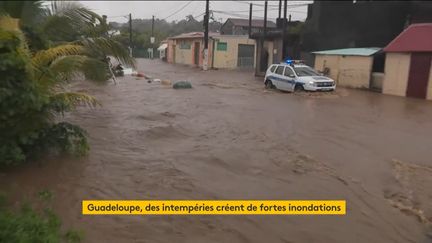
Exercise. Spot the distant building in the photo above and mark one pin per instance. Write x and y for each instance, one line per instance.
(408, 65)
(233, 26)
(225, 51)
(354, 24)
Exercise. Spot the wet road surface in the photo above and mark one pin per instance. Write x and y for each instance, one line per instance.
(229, 138)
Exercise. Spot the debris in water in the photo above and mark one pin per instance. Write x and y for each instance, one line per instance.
(182, 85)
(166, 82)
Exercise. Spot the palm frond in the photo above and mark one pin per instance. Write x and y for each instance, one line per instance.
(9, 23)
(67, 101)
(67, 67)
(96, 70)
(109, 47)
(79, 17)
(46, 57)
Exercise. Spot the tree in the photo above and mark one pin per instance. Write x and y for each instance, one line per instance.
(32, 92)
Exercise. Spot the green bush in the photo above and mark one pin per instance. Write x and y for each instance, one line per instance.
(20, 101)
(28, 107)
(27, 225)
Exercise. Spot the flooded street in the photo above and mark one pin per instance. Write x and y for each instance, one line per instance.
(229, 138)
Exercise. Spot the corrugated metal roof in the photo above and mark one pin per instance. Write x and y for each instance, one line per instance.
(415, 38)
(350, 51)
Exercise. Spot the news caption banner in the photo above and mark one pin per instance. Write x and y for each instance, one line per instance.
(213, 207)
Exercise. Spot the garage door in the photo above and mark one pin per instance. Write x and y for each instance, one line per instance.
(245, 55)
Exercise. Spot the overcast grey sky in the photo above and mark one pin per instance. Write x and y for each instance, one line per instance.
(177, 10)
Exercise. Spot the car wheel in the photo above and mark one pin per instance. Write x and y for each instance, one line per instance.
(269, 84)
(298, 88)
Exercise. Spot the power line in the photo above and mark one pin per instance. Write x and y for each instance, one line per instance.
(119, 16)
(198, 15)
(240, 15)
(242, 11)
(184, 6)
(262, 5)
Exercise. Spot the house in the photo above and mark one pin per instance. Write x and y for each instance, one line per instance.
(187, 48)
(224, 51)
(408, 70)
(351, 67)
(353, 24)
(234, 26)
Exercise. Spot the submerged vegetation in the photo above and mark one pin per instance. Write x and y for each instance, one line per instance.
(43, 49)
(30, 225)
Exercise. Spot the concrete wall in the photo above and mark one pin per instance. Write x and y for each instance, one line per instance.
(348, 71)
(229, 58)
(222, 59)
(396, 71)
(170, 51)
(355, 71)
(328, 61)
(269, 47)
(184, 56)
(377, 80)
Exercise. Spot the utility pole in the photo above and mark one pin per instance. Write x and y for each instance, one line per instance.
(284, 30)
(250, 20)
(265, 18)
(152, 38)
(206, 36)
(280, 8)
(130, 34)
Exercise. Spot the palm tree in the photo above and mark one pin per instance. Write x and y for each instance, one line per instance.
(49, 70)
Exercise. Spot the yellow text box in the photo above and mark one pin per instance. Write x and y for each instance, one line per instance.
(214, 207)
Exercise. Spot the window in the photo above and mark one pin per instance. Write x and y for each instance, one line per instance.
(272, 69)
(221, 46)
(279, 70)
(305, 71)
(289, 72)
(185, 45)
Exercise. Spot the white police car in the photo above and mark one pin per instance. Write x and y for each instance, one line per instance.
(293, 75)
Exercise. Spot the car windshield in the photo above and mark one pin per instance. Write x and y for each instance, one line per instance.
(305, 71)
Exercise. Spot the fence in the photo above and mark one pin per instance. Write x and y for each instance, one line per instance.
(143, 53)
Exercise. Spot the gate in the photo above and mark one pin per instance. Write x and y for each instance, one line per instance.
(246, 56)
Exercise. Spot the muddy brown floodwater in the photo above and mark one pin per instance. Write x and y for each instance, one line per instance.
(229, 138)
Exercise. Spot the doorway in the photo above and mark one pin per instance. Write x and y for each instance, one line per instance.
(418, 75)
(196, 53)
